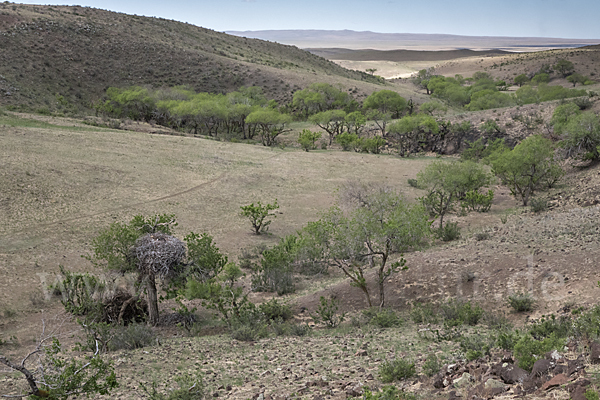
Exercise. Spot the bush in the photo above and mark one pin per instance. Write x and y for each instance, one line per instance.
(527, 350)
(591, 394)
(133, 336)
(423, 314)
(299, 329)
(307, 139)
(476, 201)
(327, 313)
(388, 392)
(275, 310)
(538, 204)
(385, 318)
(346, 140)
(456, 312)
(78, 291)
(507, 339)
(259, 215)
(449, 232)
(476, 346)
(547, 326)
(432, 365)
(189, 388)
(395, 370)
(588, 324)
(413, 183)
(274, 274)
(521, 302)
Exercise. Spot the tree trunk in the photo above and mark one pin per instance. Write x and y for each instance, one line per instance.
(152, 299)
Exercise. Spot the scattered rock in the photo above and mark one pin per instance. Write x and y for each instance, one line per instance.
(494, 384)
(542, 367)
(463, 381)
(558, 380)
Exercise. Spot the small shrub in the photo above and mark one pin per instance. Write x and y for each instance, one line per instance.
(507, 339)
(133, 336)
(395, 370)
(449, 232)
(456, 312)
(385, 318)
(476, 201)
(591, 394)
(189, 388)
(259, 215)
(299, 330)
(527, 350)
(551, 325)
(423, 314)
(476, 346)
(479, 236)
(432, 365)
(587, 325)
(388, 392)
(521, 302)
(275, 310)
(413, 183)
(327, 313)
(538, 204)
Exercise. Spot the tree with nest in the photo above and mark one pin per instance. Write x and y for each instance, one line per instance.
(157, 255)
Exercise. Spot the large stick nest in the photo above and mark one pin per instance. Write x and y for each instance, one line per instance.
(159, 254)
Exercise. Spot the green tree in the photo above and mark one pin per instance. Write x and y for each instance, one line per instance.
(540, 78)
(270, 124)
(319, 97)
(410, 131)
(380, 224)
(259, 215)
(386, 101)
(332, 122)
(562, 115)
(204, 260)
(582, 137)
(577, 78)
(521, 80)
(448, 182)
(307, 139)
(526, 168)
(433, 107)
(564, 67)
(355, 122)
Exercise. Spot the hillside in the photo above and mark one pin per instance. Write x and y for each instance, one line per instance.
(77, 52)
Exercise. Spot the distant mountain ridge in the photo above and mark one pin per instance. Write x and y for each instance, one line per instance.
(355, 40)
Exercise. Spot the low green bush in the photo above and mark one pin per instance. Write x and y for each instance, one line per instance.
(527, 350)
(550, 325)
(189, 388)
(275, 310)
(521, 302)
(382, 318)
(388, 392)
(456, 312)
(327, 313)
(423, 313)
(476, 346)
(538, 204)
(432, 365)
(133, 336)
(395, 370)
(448, 232)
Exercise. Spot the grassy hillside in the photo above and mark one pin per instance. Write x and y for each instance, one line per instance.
(77, 52)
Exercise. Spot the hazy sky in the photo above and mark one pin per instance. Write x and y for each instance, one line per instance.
(539, 18)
